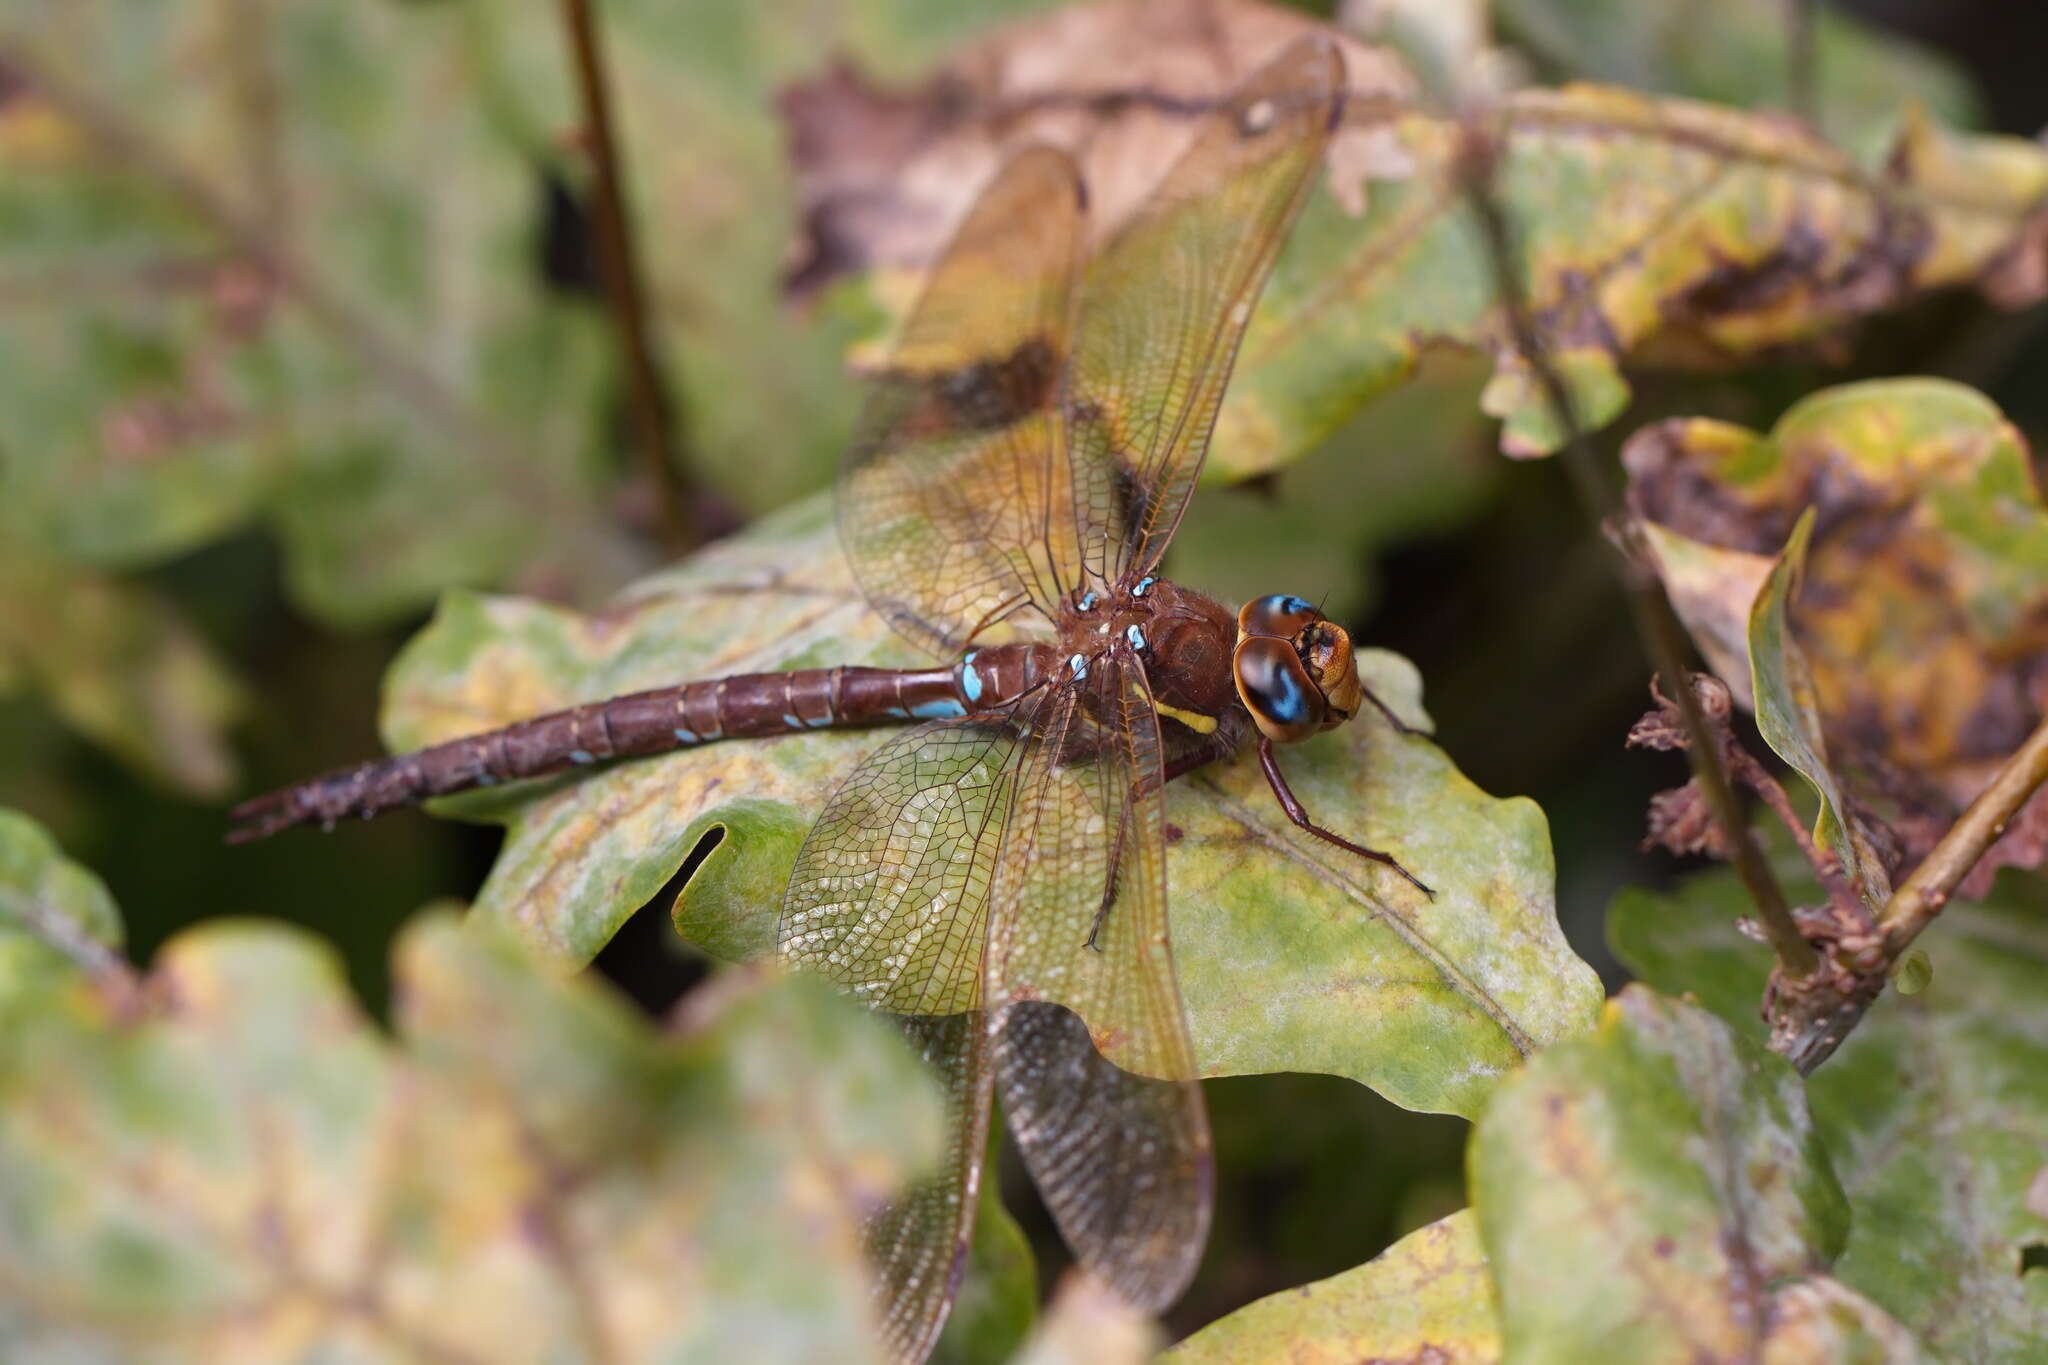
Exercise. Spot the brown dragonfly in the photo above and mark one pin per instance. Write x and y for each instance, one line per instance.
(994, 874)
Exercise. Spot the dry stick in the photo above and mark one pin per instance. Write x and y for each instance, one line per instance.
(1922, 895)
(1653, 617)
(653, 413)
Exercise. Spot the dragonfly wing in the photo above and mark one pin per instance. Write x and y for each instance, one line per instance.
(1165, 302)
(948, 491)
(1100, 1089)
(889, 898)
(917, 1245)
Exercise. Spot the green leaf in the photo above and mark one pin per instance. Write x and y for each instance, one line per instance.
(1292, 956)
(1788, 716)
(300, 290)
(121, 666)
(1426, 1297)
(1933, 1109)
(54, 914)
(1740, 53)
(1649, 230)
(246, 1169)
(1895, 679)
(1656, 1192)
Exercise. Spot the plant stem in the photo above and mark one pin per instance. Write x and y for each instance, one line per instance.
(1923, 894)
(653, 412)
(1654, 620)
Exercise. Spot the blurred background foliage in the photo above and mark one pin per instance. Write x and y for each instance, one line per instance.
(228, 494)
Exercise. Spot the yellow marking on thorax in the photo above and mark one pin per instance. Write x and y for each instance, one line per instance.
(1200, 724)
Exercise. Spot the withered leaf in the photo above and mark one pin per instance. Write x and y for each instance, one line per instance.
(1914, 659)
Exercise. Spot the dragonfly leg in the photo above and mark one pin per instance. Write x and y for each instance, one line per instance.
(1400, 726)
(1180, 767)
(1289, 803)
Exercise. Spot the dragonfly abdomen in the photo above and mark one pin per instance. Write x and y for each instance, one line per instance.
(742, 706)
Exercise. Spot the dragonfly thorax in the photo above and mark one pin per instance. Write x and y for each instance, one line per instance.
(1293, 668)
(1183, 637)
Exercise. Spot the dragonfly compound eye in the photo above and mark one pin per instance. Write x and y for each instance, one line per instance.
(1279, 615)
(1276, 688)
(1326, 650)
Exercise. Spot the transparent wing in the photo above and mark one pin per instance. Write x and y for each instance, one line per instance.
(917, 1245)
(948, 491)
(1165, 303)
(889, 898)
(1110, 1121)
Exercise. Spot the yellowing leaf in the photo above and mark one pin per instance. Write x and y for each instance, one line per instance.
(54, 915)
(1652, 231)
(1424, 1298)
(1291, 955)
(241, 1168)
(298, 288)
(1898, 677)
(1656, 1192)
(121, 667)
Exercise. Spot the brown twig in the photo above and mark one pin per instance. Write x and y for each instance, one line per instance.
(653, 411)
(1655, 623)
(1922, 895)
(1810, 1020)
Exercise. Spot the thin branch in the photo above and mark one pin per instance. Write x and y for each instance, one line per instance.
(1655, 622)
(1923, 894)
(1809, 1019)
(653, 410)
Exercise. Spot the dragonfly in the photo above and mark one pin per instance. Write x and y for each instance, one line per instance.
(993, 874)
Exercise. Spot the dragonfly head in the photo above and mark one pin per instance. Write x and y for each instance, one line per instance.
(1293, 669)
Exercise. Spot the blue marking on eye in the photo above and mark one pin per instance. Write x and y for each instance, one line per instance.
(1135, 636)
(941, 709)
(1078, 666)
(1286, 703)
(1088, 600)
(970, 681)
(581, 756)
(1142, 586)
(1291, 603)
(685, 736)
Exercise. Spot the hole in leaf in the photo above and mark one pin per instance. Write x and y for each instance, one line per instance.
(2034, 1256)
(645, 958)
